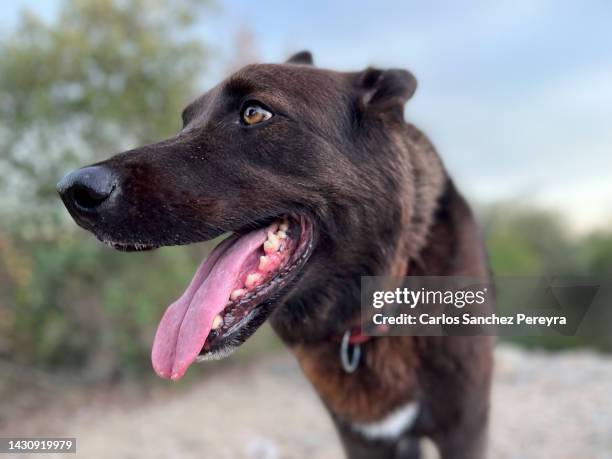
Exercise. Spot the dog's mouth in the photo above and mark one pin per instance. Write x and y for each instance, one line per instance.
(232, 292)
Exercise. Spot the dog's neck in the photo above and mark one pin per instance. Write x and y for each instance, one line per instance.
(375, 392)
(380, 231)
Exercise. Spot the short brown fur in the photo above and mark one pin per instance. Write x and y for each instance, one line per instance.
(339, 153)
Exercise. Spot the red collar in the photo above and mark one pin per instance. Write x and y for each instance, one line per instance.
(357, 336)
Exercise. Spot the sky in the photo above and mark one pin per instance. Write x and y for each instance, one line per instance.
(516, 95)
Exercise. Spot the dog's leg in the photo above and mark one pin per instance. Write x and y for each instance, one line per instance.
(456, 408)
(370, 451)
(406, 449)
(409, 448)
(464, 442)
(358, 447)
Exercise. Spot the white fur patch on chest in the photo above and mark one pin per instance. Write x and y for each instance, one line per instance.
(392, 425)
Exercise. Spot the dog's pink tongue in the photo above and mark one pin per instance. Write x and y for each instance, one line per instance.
(188, 321)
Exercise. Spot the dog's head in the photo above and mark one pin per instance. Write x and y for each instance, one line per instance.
(302, 165)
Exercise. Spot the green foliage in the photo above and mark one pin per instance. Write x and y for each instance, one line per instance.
(596, 254)
(82, 305)
(524, 241)
(105, 76)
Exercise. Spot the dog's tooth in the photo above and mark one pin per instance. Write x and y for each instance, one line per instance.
(271, 246)
(264, 261)
(237, 293)
(272, 237)
(284, 226)
(281, 234)
(252, 280)
(217, 322)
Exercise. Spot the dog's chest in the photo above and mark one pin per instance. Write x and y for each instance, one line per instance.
(379, 398)
(390, 426)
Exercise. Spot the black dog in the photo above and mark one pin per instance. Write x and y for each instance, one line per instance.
(321, 181)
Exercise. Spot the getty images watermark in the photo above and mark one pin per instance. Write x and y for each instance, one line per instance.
(468, 306)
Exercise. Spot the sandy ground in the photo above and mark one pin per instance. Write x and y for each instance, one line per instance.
(544, 406)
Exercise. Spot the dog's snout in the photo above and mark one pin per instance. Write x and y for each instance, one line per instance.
(86, 190)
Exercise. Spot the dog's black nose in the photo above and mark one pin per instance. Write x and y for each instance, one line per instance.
(84, 191)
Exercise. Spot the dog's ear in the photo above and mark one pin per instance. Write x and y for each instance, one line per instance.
(385, 90)
(303, 57)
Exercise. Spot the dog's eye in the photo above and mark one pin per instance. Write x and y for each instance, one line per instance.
(253, 114)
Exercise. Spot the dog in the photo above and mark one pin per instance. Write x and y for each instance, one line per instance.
(320, 180)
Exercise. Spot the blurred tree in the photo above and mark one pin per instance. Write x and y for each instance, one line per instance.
(527, 241)
(106, 75)
(596, 254)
